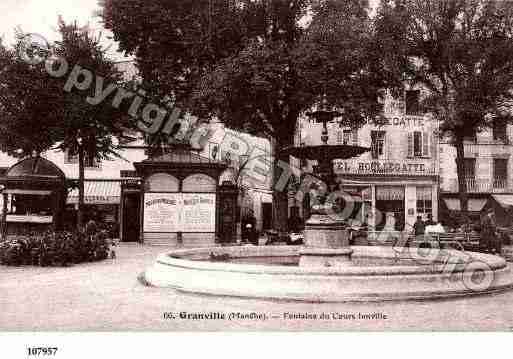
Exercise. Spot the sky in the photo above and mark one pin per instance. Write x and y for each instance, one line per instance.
(40, 16)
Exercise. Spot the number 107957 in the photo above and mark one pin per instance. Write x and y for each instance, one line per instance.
(38, 351)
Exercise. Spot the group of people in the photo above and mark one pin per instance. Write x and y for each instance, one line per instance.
(419, 227)
(490, 240)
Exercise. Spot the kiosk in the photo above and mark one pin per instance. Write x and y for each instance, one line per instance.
(34, 197)
(179, 199)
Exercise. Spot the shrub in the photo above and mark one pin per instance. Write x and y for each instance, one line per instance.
(54, 249)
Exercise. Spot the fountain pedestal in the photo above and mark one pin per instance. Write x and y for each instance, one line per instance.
(326, 243)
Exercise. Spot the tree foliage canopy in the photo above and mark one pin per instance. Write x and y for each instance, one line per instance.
(256, 65)
(461, 51)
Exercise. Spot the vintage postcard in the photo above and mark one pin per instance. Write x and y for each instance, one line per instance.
(255, 165)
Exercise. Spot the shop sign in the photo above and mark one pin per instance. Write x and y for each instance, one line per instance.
(402, 121)
(179, 212)
(95, 200)
(28, 218)
(380, 167)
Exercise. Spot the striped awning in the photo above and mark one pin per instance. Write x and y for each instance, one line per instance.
(98, 192)
(389, 193)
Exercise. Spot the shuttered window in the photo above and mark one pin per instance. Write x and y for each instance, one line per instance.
(419, 144)
(470, 168)
(500, 172)
(377, 144)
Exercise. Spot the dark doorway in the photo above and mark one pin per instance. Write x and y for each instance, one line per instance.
(267, 216)
(131, 216)
(395, 207)
(228, 218)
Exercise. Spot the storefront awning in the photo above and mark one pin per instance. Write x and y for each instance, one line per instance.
(474, 204)
(98, 192)
(28, 192)
(505, 200)
(389, 193)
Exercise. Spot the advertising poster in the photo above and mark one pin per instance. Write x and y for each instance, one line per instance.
(199, 212)
(162, 212)
(179, 212)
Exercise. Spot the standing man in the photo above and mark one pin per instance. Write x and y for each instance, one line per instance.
(419, 227)
(488, 238)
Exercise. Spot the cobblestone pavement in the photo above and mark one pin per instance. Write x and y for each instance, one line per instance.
(107, 296)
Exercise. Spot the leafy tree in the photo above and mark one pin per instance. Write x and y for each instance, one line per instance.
(255, 64)
(28, 100)
(41, 112)
(86, 129)
(461, 52)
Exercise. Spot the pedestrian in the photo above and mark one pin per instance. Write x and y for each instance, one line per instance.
(249, 229)
(488, 240)
(91, 227)
(419, 227)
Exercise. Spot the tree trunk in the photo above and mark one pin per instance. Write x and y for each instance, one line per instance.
(460, 172)
(80, 217)
(280, 193)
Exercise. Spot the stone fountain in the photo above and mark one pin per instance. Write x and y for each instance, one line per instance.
(326, 268)
(326, 237)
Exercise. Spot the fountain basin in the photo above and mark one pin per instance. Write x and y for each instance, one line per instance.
(409, 273)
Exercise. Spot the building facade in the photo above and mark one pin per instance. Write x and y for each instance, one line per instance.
(488, 170)
(112, 188)
(397, 180)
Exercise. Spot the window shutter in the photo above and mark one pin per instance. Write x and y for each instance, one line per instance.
(410, 144)
(355, 137)
(425, 144)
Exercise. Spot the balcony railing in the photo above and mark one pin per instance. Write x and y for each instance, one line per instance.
(497, 185)
(487, 149)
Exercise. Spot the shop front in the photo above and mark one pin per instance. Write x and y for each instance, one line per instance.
(385, 203)
(102, 199)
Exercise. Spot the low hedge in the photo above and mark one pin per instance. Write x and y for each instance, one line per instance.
(55, 249)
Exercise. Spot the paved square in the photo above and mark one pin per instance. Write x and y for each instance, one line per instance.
(107, 296)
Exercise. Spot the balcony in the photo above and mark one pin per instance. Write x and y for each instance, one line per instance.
(479, 186)
(487, 149)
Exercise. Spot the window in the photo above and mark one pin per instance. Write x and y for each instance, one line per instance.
(340, 137)
(88, 162)
(470, 173)
(346, 137)
(424, 203)
(377, 143)
(419, 144)
(28, 204)
(470, 168)
(500, 172)
(499, 131)
(412, 102)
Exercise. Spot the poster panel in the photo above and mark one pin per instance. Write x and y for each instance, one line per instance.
(199, 212)
(162, 212)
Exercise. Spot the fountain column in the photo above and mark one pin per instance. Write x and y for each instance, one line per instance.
(326, 237)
